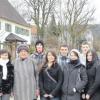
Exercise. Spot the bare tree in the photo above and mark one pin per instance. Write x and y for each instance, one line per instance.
(40, 11)
(22, 8)
(74, 14)
(77, 15)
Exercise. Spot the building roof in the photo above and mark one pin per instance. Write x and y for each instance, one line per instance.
(12, 37)
(8, 12)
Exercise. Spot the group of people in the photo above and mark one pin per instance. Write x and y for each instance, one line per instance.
(70, 75)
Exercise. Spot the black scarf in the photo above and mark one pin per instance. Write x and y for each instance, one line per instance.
(74, 62)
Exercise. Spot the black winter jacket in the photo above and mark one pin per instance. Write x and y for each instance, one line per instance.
(47, 85)
(94, 91)
(91, 73)
(7, 85)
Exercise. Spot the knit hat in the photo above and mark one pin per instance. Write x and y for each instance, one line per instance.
(75, 50)
(22, 47)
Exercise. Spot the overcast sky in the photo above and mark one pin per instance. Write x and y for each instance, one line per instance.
(92, 3)
(96, 5)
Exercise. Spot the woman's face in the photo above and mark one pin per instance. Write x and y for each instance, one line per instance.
(85, 48)
(4, 56)
(23, 54)
(73, 56)
(89, 56)
(50, 57)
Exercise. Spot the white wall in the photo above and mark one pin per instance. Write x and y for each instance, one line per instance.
(4, 33)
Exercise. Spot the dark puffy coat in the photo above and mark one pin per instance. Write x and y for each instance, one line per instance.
(91, 73)
(91, 67)
(94, 91)
(7, 85)
(46, 84)
(74, 77)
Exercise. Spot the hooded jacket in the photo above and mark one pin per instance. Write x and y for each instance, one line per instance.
(74, 77)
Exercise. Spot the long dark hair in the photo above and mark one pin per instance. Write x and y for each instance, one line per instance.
(46, 58)
(94, 55)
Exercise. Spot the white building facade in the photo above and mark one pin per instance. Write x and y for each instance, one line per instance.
(12, 22)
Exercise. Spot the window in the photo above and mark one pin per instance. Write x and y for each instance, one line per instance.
(22, 31)
(7, 27)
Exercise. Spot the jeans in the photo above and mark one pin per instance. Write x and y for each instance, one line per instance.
(5, 97)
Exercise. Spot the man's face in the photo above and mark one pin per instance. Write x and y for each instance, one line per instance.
(85, 48)
(39, 48)
(64, 51)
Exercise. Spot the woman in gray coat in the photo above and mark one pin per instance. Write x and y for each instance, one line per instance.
(75, 78)
(25, 84)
